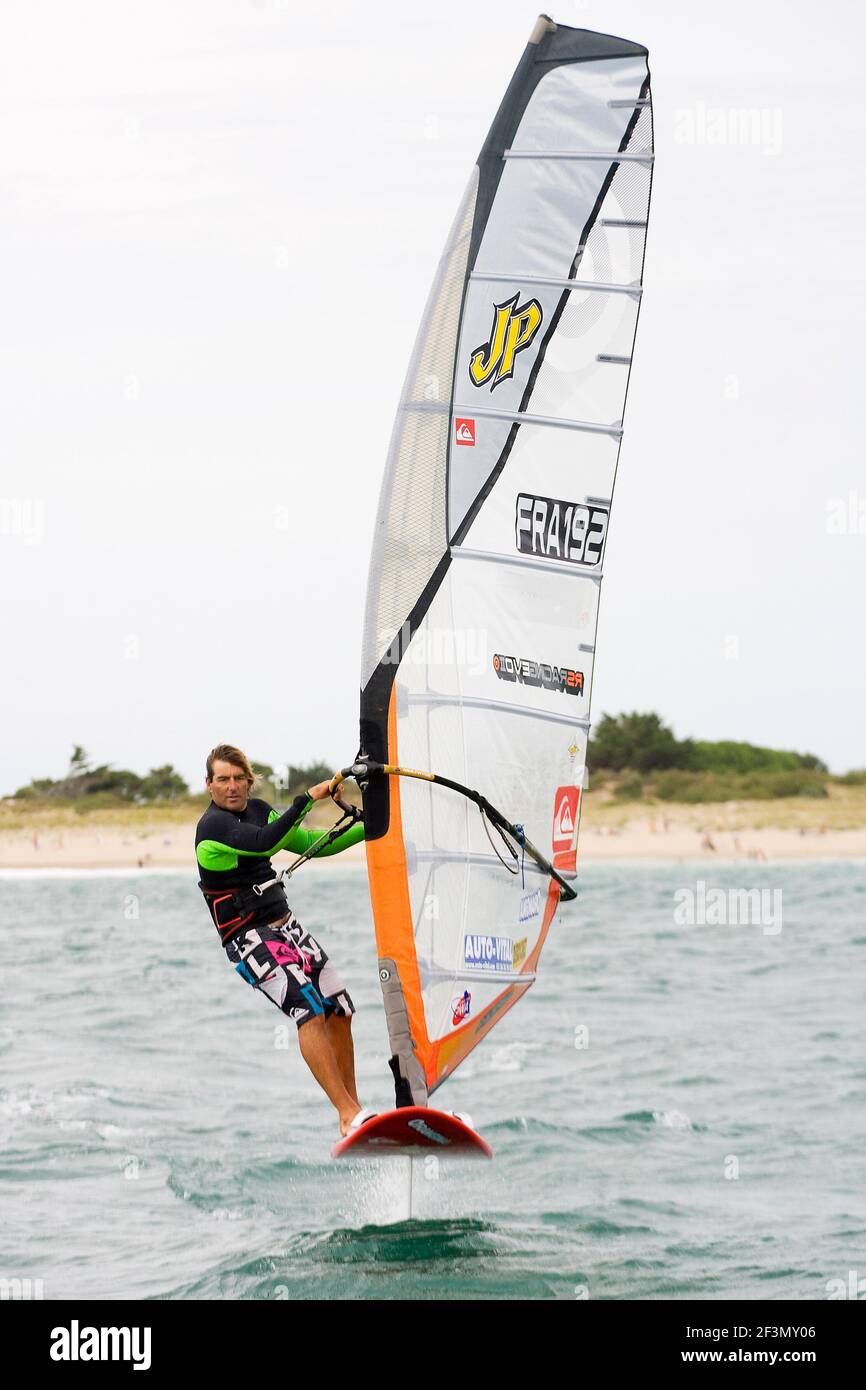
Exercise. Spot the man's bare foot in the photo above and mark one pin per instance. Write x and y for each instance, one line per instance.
(355, 1119)
(346, 1118)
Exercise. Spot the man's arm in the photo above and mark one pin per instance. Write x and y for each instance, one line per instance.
(230, 839)
(299, 840)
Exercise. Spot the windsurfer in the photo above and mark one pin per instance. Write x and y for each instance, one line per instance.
(263, 940)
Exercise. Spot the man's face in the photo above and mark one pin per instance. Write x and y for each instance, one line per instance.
(229, 786)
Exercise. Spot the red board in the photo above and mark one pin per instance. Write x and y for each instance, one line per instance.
(412, 1130)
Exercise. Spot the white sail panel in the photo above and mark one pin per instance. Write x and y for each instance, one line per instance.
(410, 538)
(582, 106)
(541, 464)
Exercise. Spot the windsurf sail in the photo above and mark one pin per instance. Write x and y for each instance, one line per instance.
(482, 599)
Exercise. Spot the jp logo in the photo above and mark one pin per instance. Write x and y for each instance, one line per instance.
(513, 330)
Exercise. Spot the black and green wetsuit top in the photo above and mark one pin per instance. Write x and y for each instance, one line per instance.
(233, 850)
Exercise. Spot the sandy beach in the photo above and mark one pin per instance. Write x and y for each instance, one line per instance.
(139, 838)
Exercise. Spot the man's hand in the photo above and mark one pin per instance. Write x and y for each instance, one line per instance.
(320, 791)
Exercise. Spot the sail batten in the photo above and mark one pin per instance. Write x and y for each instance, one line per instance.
(499, 276)
(605, 156)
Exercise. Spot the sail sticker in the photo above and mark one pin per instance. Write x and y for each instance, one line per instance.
(530, 906)
(512, 332)
(564, 826)
(422, 1127)
(487, 952)
(538, 673)
(464, 432)
(519, 954)
(571, 531)
(460, 1008)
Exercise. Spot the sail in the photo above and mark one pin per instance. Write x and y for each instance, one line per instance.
(482, 599)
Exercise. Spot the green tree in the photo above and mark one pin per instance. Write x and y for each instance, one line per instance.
(639, 742)
(104, 781)
(264, 771)
(79, 762)
(163, 784)
(40, 786)
(289, 780)
(299, 778)
(726, 755)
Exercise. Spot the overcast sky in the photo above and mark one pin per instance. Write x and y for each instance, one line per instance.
(219, 224)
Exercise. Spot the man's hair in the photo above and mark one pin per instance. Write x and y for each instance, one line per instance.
(227, 753)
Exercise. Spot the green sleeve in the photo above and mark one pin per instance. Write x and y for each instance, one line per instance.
(299, 840)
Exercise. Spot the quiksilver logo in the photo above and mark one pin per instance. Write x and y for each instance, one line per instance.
(76, 1343)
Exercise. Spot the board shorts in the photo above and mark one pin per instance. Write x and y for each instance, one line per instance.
(291, 968)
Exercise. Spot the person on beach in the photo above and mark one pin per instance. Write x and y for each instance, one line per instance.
(263, 940)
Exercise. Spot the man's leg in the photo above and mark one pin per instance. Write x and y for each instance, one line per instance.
(339, 1031)
(318, 1054)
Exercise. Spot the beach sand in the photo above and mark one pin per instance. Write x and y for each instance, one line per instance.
(709, 833)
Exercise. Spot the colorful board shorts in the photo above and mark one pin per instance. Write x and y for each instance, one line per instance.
(290, 967)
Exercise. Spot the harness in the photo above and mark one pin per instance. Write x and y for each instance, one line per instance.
(233, 908)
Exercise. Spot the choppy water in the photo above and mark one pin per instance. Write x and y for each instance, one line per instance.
(156, 1142)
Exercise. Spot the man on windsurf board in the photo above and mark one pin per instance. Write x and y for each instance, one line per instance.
(262, 938)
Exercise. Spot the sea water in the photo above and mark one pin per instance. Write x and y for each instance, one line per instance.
(676, 1107)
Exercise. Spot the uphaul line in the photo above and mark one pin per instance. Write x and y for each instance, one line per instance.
(363, 771)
